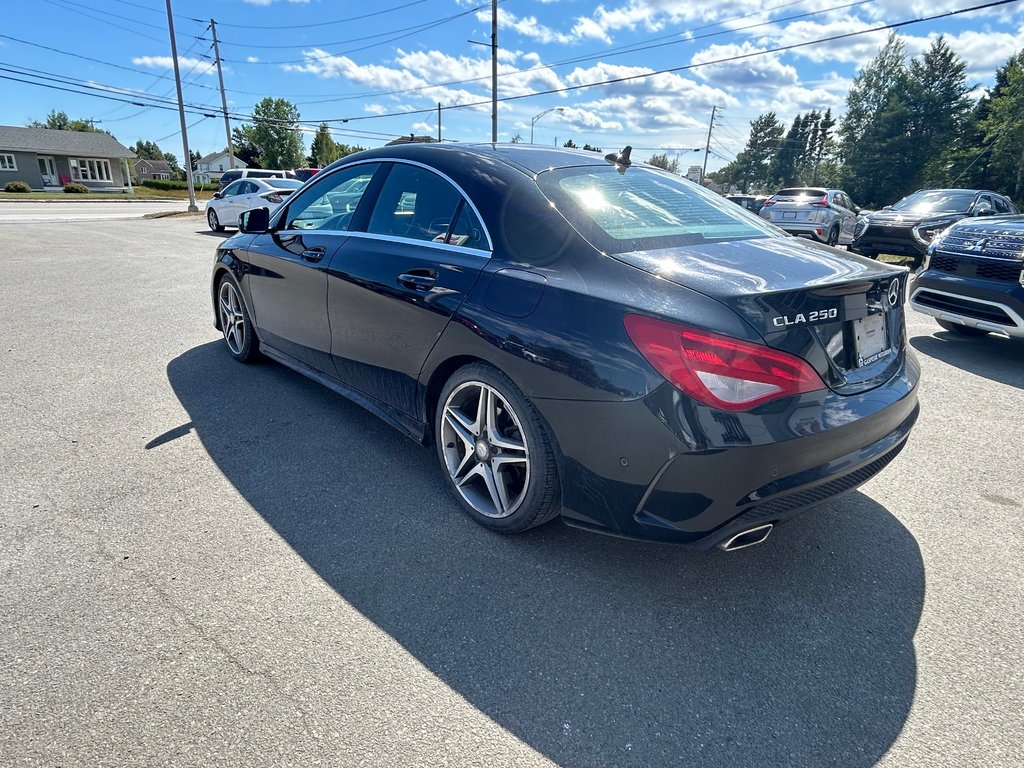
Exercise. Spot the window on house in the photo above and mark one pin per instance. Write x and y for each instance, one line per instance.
(7, 162)
(90, 170)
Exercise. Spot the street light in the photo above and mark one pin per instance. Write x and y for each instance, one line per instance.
(538, 117)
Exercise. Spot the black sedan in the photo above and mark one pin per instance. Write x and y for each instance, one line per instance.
(580, 336)
(908, 226)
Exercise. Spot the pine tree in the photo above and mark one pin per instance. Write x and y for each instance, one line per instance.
(323, 151)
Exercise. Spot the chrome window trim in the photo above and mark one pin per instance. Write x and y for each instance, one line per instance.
(380, 160)
(389, 239)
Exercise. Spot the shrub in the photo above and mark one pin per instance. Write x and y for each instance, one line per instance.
(75, 188)
(17, 186)
(166, 184)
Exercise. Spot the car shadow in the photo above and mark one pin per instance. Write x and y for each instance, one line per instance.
(220, 235)
(991, 357)
(592, 650)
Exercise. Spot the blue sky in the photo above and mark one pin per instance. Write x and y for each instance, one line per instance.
(385, 73)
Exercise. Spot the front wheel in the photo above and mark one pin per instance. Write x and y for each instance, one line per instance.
(961, 330)
(235, 321)
(495, 451)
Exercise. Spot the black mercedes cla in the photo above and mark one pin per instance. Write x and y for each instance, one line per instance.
(580, 336)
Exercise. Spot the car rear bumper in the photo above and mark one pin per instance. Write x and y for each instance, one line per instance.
(802, 229)
(665, 469)
(997, 307)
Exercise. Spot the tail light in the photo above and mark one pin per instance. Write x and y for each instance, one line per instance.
(766, 203)
(823, 203)
(273, 197)
(725, 373)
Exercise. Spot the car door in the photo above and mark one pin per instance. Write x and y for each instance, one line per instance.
(225, 204)
(849, 217)
(287, 271)
(248, 198)
(393, 288)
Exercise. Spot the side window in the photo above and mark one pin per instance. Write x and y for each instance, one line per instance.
(1001, 206)
(468, 232)
(247, 188)
(984, 203)
(414, 203)
(232, 189)
(329, 203)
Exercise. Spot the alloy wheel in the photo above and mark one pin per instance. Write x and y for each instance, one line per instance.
(211, 219)
(232, 318)
(485, 450)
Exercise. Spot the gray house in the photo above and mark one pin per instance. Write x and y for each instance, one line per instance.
(46, 159)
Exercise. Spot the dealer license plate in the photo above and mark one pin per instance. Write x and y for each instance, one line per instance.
(789, 214)
(871, 338)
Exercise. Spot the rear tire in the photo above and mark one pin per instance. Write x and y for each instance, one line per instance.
(833, 236)
(213, 221)
(961, 330)
(495, 451)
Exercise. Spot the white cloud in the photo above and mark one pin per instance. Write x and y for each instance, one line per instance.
(186, 64)
(252, 59)
(752, 72)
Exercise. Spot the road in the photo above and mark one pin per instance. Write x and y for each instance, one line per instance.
(204, 563)
(44, 211)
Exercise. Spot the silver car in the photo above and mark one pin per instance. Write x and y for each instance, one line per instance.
(823, 214)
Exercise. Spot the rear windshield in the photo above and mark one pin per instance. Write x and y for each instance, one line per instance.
(937, 201)
(800, 192)
(645, 209)
(285, 183)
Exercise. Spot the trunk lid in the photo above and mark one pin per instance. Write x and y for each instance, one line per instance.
(840, 312)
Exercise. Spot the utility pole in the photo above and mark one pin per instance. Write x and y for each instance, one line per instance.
(707, 146)
(192, 207)
(439, 121)
(494, 71)
(223, 96)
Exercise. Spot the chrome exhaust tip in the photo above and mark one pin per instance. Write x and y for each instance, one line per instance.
(747, 538)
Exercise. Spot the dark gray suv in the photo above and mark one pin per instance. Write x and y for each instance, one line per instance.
(827, 215)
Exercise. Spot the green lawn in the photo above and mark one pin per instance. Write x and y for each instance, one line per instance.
(140, 193)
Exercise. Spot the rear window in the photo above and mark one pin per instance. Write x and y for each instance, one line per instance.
(800, 192)
(285, 183)
(645, 209)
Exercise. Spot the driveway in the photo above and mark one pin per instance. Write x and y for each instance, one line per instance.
(205, 563)
(46, 211)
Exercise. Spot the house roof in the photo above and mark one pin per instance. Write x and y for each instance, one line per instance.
(62, 142)
(160, 166)
(214, 155)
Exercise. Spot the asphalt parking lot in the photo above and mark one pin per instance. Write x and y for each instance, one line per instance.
(209, 564)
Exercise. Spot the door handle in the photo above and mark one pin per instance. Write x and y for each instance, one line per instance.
(314, 254)
(418, 281)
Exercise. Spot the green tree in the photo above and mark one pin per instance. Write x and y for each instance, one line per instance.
(147, 150)
(662, 161)
(750, 170)
(570, 144)
(937, 95)
(879, 163)
(59, 121)
(246, 150)
(275, 131)
(592, 149)
(323, 150)
(1003, 128)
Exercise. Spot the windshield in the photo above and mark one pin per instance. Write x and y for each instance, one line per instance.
(644, 209)
(937, 201)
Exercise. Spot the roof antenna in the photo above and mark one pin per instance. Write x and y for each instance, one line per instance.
(621, 161)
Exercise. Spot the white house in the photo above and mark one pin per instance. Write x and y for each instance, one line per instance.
(210, 168)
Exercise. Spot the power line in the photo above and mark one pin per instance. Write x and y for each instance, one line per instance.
(408, 32)
(100, 19)
(687, 67)
(277, 27)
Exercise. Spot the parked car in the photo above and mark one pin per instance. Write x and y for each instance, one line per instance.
(907, 227)
(973, 278)
(752, 203)
(580, 336)
(305, 174)
(244, 195)
(252, 173)
(827, 215)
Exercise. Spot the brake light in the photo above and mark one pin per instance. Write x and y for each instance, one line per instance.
(823, 203)
(725, 373)
(274, 197)
(766, 203)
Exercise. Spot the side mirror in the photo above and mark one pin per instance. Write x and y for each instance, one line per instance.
(254, 222)
(218, 195)
(887, 208)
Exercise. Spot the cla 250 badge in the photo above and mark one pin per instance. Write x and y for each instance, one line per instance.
(805, 317)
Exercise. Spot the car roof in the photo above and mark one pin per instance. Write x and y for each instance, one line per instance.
(526, 158)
